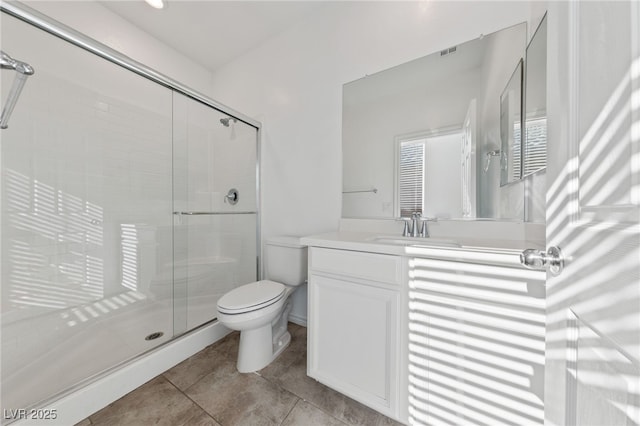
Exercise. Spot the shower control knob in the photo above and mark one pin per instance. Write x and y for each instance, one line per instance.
(232, 197)
(538, 259)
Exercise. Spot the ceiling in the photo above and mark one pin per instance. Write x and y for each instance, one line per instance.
(213, 33)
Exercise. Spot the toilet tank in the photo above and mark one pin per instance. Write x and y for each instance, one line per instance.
(286, 260)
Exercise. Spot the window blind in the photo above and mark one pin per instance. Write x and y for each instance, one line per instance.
(516, 151)
(536, 146)
(411, 177)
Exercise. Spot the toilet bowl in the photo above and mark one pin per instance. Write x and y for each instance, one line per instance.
(260, 310)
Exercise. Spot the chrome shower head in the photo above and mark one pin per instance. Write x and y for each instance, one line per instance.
(225, 121)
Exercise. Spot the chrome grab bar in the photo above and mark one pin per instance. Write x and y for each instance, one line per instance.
(374, 190)
(209, 213)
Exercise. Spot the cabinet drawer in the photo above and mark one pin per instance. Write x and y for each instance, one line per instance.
(369, 266)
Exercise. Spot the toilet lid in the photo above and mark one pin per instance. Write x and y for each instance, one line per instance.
(251, 296)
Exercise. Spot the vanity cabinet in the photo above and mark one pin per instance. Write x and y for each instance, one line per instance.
(476, 341)
(428, 335)
(354, 325)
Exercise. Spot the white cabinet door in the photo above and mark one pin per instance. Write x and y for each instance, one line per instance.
(353, 340)
(593, 195)
(476, 344)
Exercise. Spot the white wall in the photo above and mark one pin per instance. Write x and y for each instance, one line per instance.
(99, 23)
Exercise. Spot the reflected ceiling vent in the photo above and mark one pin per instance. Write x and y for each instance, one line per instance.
(448, 51)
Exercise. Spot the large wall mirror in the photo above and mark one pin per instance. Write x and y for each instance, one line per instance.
(425, 135)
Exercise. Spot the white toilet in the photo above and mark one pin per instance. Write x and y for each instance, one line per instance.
(260, 310)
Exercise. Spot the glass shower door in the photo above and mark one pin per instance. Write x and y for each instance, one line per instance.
(85, 218)
(215, 209)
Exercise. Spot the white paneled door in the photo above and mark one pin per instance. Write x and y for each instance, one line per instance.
(593, 198)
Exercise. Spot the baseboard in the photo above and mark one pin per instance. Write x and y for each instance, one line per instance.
(80, 404)
(298, 320)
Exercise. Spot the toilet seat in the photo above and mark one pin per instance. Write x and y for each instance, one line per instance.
(251, 297)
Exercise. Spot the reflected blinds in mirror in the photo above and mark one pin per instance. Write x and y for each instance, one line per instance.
(516, 151)
(536, 145)
(411, 177)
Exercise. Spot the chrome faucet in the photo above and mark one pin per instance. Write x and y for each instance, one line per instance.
(406, 231)
(415, 224)
(417, 227)
(424, 231)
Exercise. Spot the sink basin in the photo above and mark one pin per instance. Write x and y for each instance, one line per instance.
(414, 241)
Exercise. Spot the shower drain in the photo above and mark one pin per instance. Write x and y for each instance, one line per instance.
(154, 336)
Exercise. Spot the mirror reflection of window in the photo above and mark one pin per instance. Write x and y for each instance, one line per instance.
(516, 150)
(428, 181)
(411, 177)
(536, 157)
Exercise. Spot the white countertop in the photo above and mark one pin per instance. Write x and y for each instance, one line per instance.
(503, 252)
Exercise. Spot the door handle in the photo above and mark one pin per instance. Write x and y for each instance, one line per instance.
(538, 259)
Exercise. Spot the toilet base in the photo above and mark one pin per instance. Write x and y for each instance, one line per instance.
(257, 349)
(259, 346)
(281, 345)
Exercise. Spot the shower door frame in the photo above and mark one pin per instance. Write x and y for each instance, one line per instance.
(53, 27)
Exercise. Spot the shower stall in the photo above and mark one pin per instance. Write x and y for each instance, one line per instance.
(129, 206)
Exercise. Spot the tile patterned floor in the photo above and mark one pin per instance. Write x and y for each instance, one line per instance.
(207, 390)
